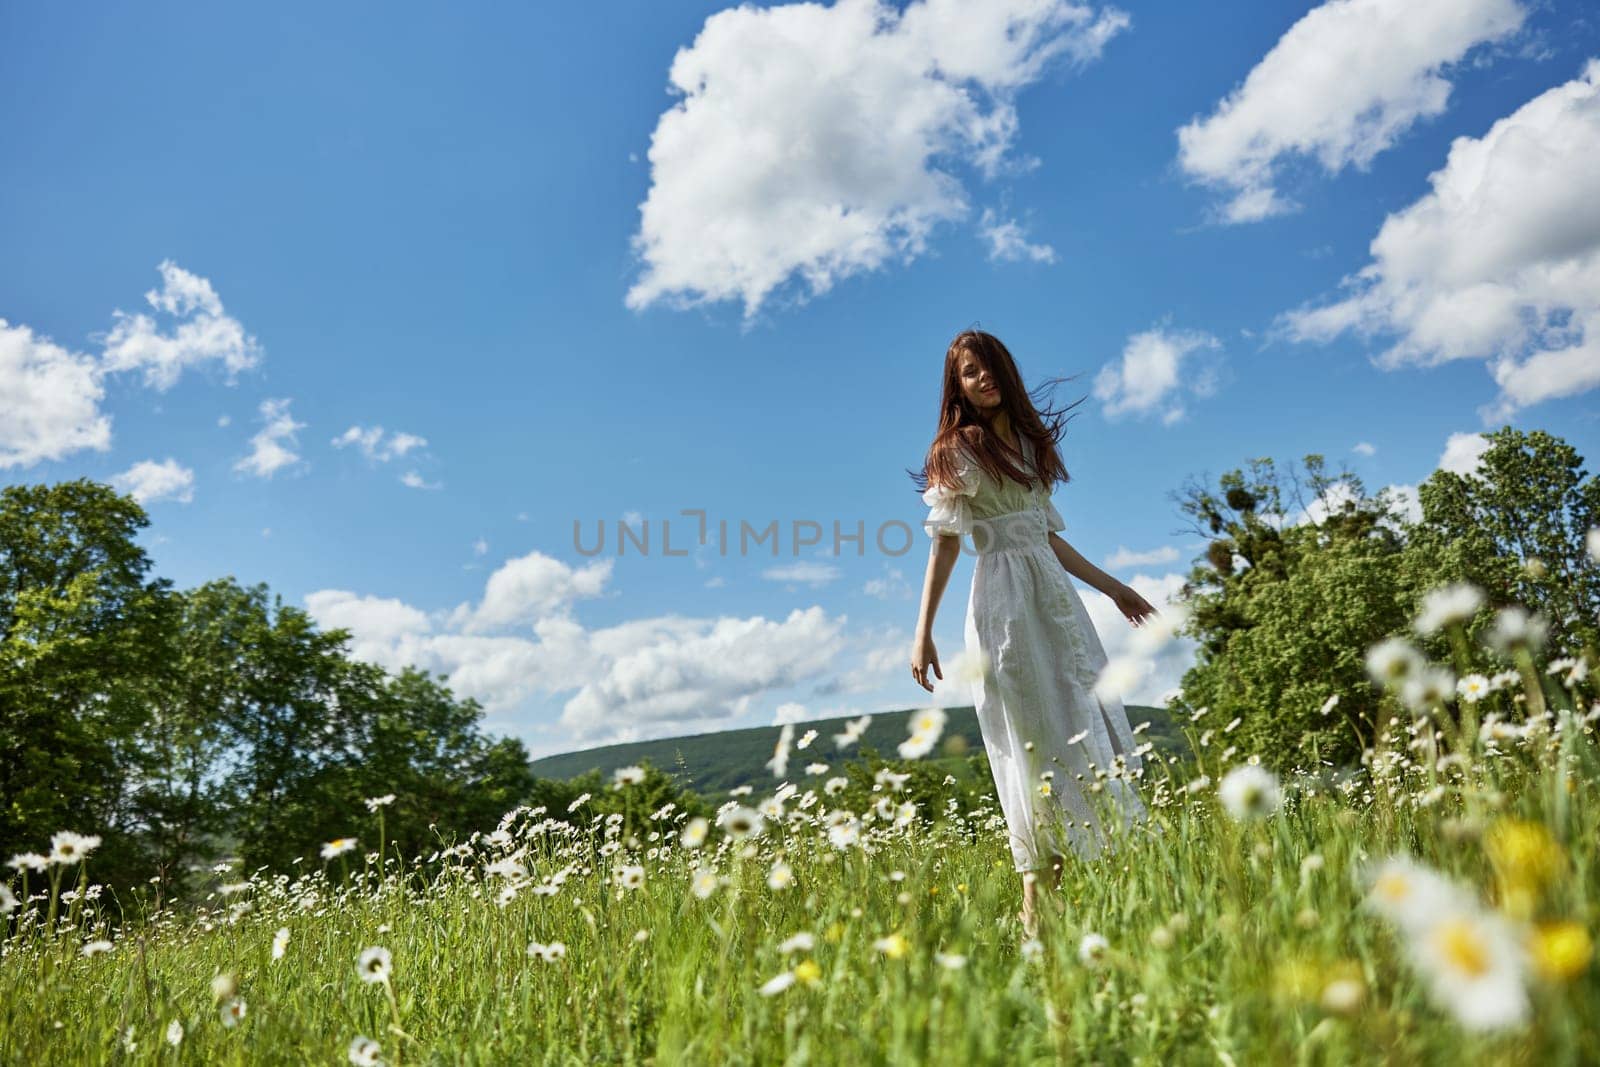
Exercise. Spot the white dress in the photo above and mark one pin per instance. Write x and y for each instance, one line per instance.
(1041, 655)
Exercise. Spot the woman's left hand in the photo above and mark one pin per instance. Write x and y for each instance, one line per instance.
(1131, 604)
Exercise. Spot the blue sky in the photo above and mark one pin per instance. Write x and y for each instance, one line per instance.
(371, 303)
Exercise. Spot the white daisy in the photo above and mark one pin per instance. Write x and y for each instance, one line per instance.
(1249, 792)
(232, 1012)
(800, 942)
(364, 1052)
(338, 847)
(777, 984)
(1392, 660)
(1448, 605)
(704, 881)
(1514, 628)
(625, 776)
(67, 847)
(694, 832)
(374, 964)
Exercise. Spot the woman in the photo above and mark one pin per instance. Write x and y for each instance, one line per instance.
(1054, 747)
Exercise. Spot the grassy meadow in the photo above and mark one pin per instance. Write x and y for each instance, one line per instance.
(1434, 905)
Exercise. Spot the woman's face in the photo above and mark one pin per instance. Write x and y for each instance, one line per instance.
(977, 384)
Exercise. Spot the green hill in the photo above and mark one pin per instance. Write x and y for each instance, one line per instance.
(714, 763)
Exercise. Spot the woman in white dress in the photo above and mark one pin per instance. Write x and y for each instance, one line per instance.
(1061, 756)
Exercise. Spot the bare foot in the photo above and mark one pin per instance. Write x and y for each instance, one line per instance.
(1030, 923)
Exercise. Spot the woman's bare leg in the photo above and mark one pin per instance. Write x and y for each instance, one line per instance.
(1030, 903)
(1055, 866)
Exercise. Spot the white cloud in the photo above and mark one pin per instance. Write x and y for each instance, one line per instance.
(1341, 85)
(1008, 241)
(373, 445)
(1364, 448)
(645, 677)
(480, 547)
(702, 673)
(1500, 261)
(1123, 558)
(148, 481)
(817, 142)
(49, 400)
(531, 587)
(1402, 500)
(203, 333)
(414, 480)
(1463, 453)
(802, 572)
(1152, 374)
(892, 586)
(272, 448)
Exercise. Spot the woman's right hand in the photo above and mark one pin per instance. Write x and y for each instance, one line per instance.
(923, 656)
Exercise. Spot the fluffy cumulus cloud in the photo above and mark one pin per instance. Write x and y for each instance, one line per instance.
(148, 481)
(814, 142)
(525, 589)
(641, 678)
(1007, 240)
(1157, 369)
(50, 396)
(1343, 84)
(1463, 453)
(200, 332)
(49, 400)
(376, 446)
(1500, 261)
(703, 674)
(273, 446)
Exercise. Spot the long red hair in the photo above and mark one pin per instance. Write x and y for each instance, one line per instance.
(961, 425)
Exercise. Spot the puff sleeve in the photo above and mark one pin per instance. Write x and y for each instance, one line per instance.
(950, 508)
(1053, 518)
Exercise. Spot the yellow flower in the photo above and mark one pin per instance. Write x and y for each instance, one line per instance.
(933, 890)
(1561, 950)
(894, 946)
(1044, 789)
(1526, 859)
(808, 972)
(834, 931)
(961, 887)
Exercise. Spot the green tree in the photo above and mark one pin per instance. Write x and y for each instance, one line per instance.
(83, 645)
(1516, 528)
(1285, 607)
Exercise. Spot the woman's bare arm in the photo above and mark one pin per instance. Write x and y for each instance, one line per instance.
(1081, 568)
(941, 561)
(1127, 599)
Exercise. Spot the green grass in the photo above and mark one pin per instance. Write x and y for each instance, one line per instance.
(1241, 977)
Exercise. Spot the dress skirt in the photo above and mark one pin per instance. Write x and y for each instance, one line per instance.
(1063, 760)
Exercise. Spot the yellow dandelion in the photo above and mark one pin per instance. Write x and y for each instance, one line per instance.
(1561, 951)
(808, 972)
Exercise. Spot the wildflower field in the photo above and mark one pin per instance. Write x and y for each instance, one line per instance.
(1434, 904)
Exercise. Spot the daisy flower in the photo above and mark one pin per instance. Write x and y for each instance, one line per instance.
(1249, 792)
(374, 964)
